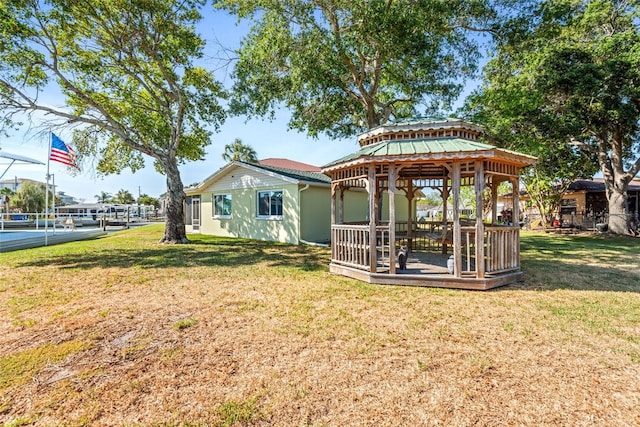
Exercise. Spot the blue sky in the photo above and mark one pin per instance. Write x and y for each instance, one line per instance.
(269, 139)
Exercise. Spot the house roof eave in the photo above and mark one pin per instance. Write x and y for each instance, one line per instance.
(521, 160)
(267, 170)
(421, 124)
(425, 150)
(208, 180)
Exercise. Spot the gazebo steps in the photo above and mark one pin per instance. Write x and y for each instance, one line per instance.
(436, 279)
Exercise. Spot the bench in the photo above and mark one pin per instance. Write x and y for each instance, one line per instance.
(116, 223)
(69, 223)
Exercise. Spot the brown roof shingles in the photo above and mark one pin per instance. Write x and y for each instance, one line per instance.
(289, 164)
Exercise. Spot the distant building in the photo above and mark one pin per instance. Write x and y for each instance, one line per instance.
(588, 197)
(65, 199)
(16, 183)
(583, 205)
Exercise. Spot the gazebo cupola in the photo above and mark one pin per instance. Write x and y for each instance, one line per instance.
(421, 129)
(396, 163)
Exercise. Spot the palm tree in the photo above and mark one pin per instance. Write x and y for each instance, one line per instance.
(237, 151)
(147, 200)
(125, 197)
(103, 197)
(6, 194)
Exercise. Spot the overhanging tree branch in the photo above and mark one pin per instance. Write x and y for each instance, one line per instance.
(125, 70)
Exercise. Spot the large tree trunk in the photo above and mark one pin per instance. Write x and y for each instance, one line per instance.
(174, 230)
(616, 183)
(617, 198)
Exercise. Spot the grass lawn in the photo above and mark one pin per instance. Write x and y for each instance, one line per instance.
(123, 331)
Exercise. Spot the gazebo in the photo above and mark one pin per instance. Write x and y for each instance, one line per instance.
(374, 194)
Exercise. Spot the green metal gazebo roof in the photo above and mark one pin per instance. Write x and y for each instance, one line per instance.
(424, 148)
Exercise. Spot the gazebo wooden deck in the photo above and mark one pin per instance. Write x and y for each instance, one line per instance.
(398, 160)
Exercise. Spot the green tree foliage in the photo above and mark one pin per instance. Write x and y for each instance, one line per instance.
(6, 191)
(431, 198)
(124, 197)
(6, 198)
(239, 151)
(147, 200)
(345, 66)
(103, 197)
(30, 197)
(127, 71)
(565, 85)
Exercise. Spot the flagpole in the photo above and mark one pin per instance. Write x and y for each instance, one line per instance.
(63, 154)
(53, 193)
(46, 193)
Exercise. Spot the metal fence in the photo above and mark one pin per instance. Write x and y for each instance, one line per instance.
(584, 222)
(37, 221)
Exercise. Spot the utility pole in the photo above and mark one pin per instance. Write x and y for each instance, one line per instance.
(138, 203)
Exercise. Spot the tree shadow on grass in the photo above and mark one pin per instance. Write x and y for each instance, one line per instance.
(566, 276)
(549, 262)
(198, 253)
(580, 262)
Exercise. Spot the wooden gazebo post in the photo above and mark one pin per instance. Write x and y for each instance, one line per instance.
(479, 188)
(410, 192)
(516, 216)
(457, 238)
(445, 208)
(341, 204)
(372, 188)
(334, 207)
(516, 201)
(334, 190)
(494, 200)
(392, 219)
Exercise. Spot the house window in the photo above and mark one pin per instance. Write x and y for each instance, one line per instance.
(568, 207)
(222, 205)
(270, 204)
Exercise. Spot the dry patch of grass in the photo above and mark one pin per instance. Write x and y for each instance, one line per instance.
(228, 332)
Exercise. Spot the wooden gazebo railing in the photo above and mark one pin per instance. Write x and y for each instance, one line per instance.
(350, 247)
(502, 249)
(350, 244)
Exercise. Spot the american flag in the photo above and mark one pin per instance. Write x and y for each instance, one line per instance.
(61, 152)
